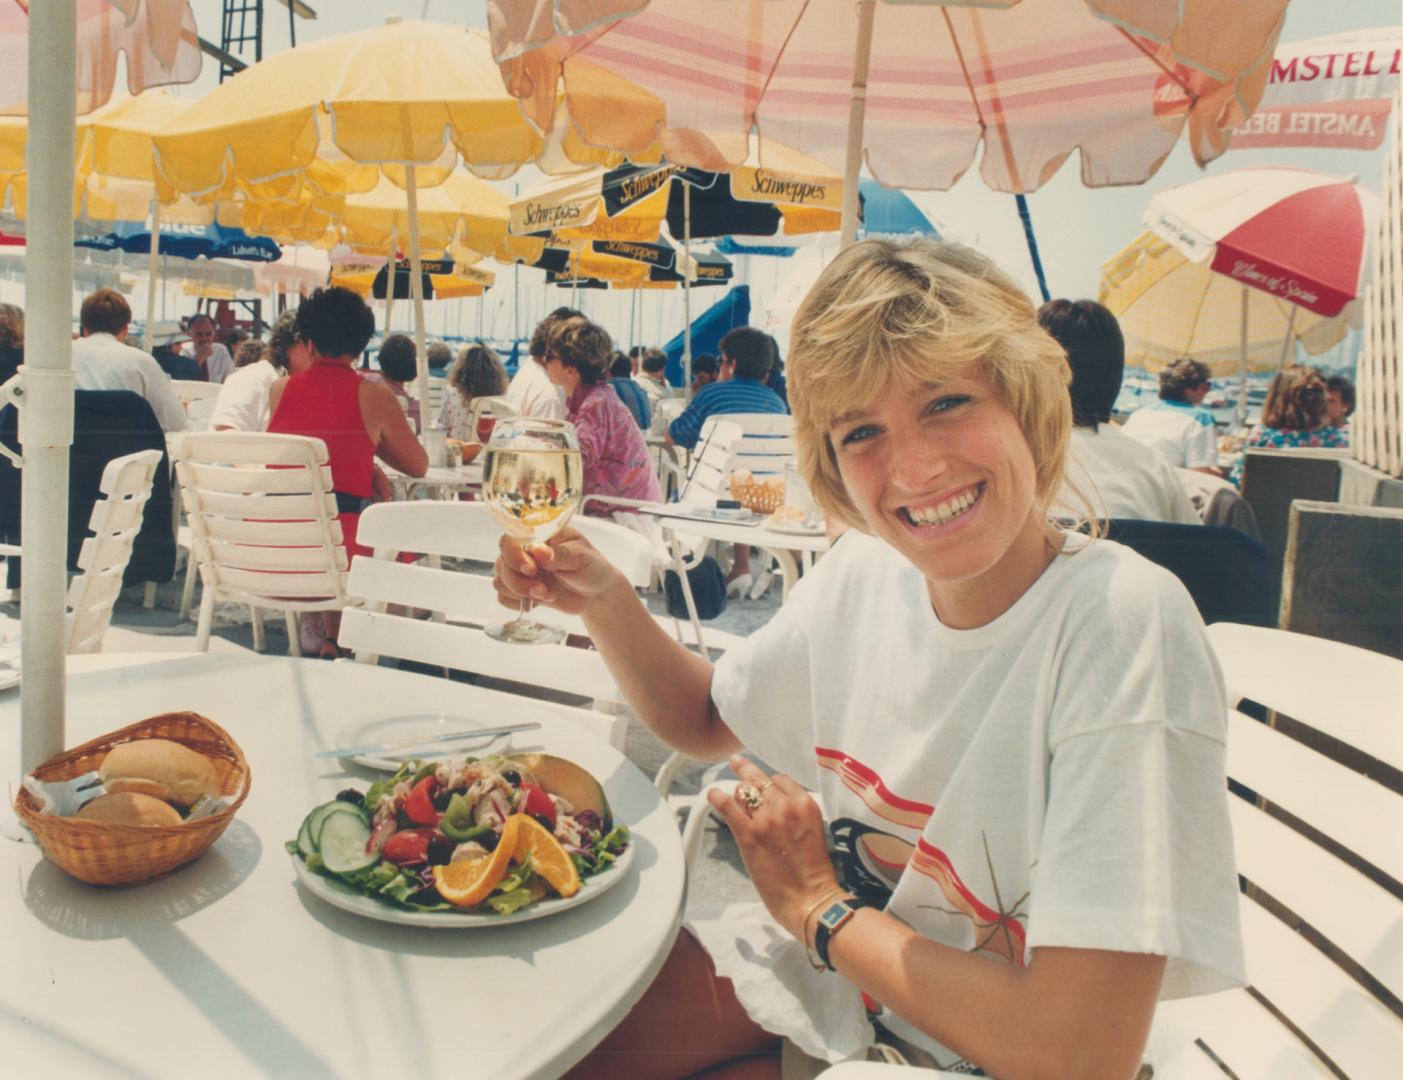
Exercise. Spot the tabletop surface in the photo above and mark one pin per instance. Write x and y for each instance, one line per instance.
(228, 967)
(756, 535)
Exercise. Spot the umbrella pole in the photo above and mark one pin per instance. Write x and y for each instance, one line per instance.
(1031, 238)
(857, 115)
(1290, 329)
(46, 421)
(1242, 368)
(390, 277)
(416, 290)
(152, 275)
(686, 286)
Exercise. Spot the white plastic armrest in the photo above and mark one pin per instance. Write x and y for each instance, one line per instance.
(615, 500)
(698, 809)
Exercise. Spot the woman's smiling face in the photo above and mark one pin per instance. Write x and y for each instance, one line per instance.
(942, 472)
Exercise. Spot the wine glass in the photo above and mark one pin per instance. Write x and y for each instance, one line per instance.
(532, 479)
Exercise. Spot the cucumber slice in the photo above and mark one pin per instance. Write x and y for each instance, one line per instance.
(342, 843)
(309, 836)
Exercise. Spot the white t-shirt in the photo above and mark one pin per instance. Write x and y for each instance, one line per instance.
(1054, 778)
(531, 392)
(655, 388)
(101, 362)
(242, 404)
(1184, 434)
(219, 364)
(1124, 479)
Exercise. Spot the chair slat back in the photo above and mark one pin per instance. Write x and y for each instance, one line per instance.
(1317, 797)
(115, 521)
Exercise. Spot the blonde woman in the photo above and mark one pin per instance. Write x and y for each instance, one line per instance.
(1017, 732)
(478, 373)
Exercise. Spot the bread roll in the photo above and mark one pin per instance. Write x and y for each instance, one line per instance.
(129, 809)
(159, 768)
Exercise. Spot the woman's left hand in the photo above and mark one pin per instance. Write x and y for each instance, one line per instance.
(782, 841)
(381, 490)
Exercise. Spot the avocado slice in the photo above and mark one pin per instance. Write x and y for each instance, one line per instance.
(571, 782)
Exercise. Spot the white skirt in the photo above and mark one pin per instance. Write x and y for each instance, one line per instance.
(821, 1012)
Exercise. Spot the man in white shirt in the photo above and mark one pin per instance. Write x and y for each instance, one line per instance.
(531, 392)
(1177, 426)
(1109, 475)
(213, 357)
(102, 360)
(243, 400)
(652, 377)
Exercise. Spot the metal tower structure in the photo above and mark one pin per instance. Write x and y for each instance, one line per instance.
(241, 33)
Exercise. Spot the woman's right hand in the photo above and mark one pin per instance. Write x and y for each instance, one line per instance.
(567, 572)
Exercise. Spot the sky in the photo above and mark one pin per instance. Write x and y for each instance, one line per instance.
(1077, 228)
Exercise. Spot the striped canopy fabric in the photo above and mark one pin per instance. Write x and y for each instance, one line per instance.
(1032, 82)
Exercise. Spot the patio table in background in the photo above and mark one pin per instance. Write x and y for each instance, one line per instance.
(229, 968)
(441, 481)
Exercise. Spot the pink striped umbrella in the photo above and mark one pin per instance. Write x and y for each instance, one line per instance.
(1303, 236)
(1117, 80)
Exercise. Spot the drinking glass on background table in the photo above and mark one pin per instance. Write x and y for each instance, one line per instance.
(485, 424)
(532, 480)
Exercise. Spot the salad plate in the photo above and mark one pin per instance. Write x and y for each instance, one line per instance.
(396, 729)
(795, 530)
(346, 898)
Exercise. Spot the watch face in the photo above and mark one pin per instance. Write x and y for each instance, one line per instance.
(834, 914)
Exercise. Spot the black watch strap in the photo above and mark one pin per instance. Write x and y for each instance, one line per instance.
(831, 919)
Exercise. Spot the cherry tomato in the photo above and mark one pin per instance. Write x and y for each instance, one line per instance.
(419, 805)
(408, 847)
(538, 804)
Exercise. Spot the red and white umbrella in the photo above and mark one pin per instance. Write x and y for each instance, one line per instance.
(1303, 236)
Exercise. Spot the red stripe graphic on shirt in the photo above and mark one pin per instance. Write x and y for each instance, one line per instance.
(997, 933)
(864, 782)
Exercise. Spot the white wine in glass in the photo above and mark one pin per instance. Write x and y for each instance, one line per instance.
(532, 479)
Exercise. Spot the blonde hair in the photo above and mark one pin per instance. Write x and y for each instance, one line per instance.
(916, 312)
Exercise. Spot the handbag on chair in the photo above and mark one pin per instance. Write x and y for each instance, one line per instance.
(708, 585)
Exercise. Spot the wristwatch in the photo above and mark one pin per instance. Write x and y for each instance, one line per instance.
(831, 918)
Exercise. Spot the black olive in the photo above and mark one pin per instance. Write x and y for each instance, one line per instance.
(512, 777)
(440, 850)
(442, 797)
(545, 823)
(352, 796)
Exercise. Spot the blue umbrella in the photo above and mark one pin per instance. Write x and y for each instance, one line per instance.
(187, 242)
(889, 212)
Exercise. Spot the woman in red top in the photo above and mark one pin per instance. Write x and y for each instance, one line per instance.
(356, 418)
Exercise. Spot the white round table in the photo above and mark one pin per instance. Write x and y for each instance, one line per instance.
(230, 968)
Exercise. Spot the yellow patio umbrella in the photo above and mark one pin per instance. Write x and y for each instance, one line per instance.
(410, 98)
(1169, 307)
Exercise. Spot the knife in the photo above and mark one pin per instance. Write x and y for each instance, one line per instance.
(427, 740)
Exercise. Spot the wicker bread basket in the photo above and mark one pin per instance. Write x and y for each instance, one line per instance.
(106, 854)
(762, 496)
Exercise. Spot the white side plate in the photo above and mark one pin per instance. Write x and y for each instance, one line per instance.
(414, 726)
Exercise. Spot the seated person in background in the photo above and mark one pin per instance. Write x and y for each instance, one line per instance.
(531, 392)
(1121, 477)
(102, 359)
(213, 358)
(11, 341)
(1293, 416)
(1017, 733)
(1177, 426)
(243, 399)
(440, 359)
(477, 374)
(1339, 403)
(706, 369)
(746, 355)
(653, 378)
(356, 418)
(633, 396)
(615, 457)
(166, 339)
(397, 367)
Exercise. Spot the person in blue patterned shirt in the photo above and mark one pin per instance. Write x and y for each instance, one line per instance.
(746, 356)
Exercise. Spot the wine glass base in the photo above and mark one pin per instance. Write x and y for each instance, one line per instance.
(526, 632)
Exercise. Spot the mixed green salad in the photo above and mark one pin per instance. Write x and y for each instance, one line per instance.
(494, 834)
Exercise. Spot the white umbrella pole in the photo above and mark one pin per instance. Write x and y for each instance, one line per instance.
(416, 290)
(46, 420)
(153, 278)
(857, 114)
(686, 286)
(1290, 329)
(1242, 368)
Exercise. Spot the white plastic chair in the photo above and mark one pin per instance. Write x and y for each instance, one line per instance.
(199, 412)
(102, 560)
(263, 524)
(189, 390)
(460, 603)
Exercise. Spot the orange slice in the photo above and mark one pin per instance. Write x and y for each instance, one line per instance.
(549, 859)
(468, 882)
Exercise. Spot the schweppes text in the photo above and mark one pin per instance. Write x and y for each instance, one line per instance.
(781, 189)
